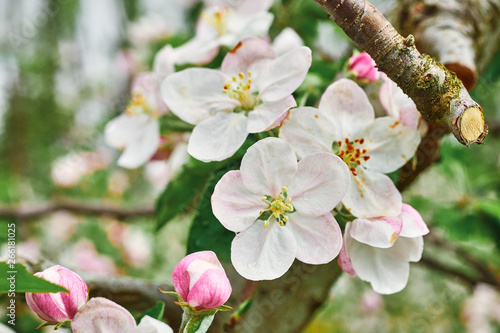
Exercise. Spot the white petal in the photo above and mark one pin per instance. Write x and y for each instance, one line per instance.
(242, 26)
(163, 63)
(243, 55)
(308, 131)
(390, 144)
(247, 7)
(376, 232)
(407, 249)
(195, 94)
(280, 77)
(319, 239)
(372, 194)
(143, 147)
(234, 206)
(199, 50)
(148, 324)
(287, 40)
(319, 185)
(218, 137)
(260, 253)
(267, 166)
(124, 129)
(265, 115)
(413, 224)
(348, 108)
(386, 275)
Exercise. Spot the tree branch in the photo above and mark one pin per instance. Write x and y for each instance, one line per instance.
(439, 95)
(27, 213)
(463, 34)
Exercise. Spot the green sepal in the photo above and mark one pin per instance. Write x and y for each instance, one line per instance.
(64, 324)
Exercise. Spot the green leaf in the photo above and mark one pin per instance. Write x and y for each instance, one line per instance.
(207, 233)
(183, 189)
(188, 185)
(24, 282)
(156, 311)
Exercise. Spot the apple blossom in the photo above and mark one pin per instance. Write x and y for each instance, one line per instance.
(59, 307)
(286, 41)
(224, 23)
(363, 67)
(101, 315)
(250, 93)
(344, 124)
(401, 107)
(137, 130)
(280, 209)
(378, 250)
(201, 282)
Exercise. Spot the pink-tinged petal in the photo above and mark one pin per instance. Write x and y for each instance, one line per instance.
(377, 232)
(163, 63)
(308, 131)
(218, 137)
(348, 108)
(143, 147)
(148, 84)
(195, 94)
(58, 307)
(260, 253)
(286, 41)
(413, 224)
(372, 194)
(201, 281)
(390, 144)
(244, 54)
(267, 166)
(343, 259)
(265, 115)
(320, 184)
(374, 265)
(280, 77)
(210, 291)
(407, 249)
(398, 105)
(319, 239)
(151, 325)
(102, 315)
(181, 277)
(233, 205)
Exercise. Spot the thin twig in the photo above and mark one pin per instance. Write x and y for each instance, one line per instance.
(25, 212)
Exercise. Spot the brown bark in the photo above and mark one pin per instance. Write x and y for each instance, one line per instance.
(462, 34)
(439, 95)
(286, 305)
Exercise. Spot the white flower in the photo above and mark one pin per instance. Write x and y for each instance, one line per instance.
(249, 94)
(379, 250)
(137, 130)
(345, 124)
(280, 209)
(225, 23)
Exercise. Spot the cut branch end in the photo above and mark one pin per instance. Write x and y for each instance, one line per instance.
(471, 126)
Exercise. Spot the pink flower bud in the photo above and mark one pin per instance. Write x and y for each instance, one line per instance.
(58, 307)
(201, 281)
(363, 67)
